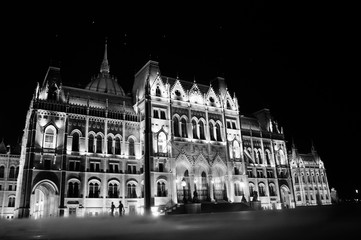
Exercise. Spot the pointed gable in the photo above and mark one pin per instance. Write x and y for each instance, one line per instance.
(212, 98)
(195, 95)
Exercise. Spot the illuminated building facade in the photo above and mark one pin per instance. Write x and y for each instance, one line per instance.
(309, 178)
(9, 169)
(83, 148)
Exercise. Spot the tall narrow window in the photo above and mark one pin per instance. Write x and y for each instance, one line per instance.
(236, 150)
(12, 172)
(131, 191)
(110, 145)
(117, 145)
(99, 144)
(75, 143)
(2, 172)
(162, 143)
(162, 114)
(11, 201)
(201, 130)
(155, 113)
(218, 132)
(211, 131)
(70, 190)
(157, 92)
(176, 127)
(184, 128)
(194, 129)
(131, 147)
(161, 191)
(91, 143)
(49, 137)
(17, 172)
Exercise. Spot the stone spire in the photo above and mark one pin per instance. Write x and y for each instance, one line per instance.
(105, 65)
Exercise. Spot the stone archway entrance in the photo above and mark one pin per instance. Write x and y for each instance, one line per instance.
(285, 196)
(44, 200)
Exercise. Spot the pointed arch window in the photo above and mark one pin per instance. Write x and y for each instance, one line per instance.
(272, 190)
(201, 130)
(131, 147)
(162, 143)
(99, 144)
(211, 131)
(229, 105)
(110, 145)
(184, 128)
(157, 91)
(75, 142)
(117, 146)
(175, 127)
(218, 132)
(194, 129)
(49, 137)
(91, 143)
(17, 172)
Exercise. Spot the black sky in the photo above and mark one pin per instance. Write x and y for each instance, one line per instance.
(297, 59)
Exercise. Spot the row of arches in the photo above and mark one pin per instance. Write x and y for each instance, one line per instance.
(13, 172)
(113, 189)
(198, 128)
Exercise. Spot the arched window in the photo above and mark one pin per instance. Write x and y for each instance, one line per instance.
(11, 202)
(201, 130)
(131, 190)
(268, 157)
(17, 172)
(259, 155)
(218, 132)
(2, 172)
(99, 144)
(162, 143)
(296, 179)
(228, 105)
(94, 189)
(91, 143)
(194, 129)
(110, 145)
(131, 147)
(211, 131)
(73, 189)
(298, 197)
(251, 189)
(75, 142)
(161, 191)
(272, 190)
(184, 128)
(113, 190)
(261, 190)
(238, 191)
(176, 127)
(12, 172)
(49, 137)
(117, 145)
(157, 91)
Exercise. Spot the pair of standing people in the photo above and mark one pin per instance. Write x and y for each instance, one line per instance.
(120, 207)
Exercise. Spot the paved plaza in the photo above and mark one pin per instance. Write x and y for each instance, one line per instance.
(327, 222)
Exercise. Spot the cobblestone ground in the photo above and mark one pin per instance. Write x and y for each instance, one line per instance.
(327, 222)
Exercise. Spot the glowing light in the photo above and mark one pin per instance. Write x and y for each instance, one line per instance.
(184, 183)
(154, 211)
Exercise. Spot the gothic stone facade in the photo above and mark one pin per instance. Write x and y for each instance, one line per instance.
(9, 169)
(83, 148)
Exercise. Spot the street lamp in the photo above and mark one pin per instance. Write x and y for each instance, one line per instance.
(184, 190)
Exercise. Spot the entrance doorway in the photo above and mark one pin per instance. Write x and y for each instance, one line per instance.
(44, 200)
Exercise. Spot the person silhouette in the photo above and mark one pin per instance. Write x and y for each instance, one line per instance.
(121, 208)
(112, 207)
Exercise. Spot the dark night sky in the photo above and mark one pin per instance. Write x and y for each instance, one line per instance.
(296, 59)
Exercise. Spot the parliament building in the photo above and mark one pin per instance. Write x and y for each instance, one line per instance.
(84, 148)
